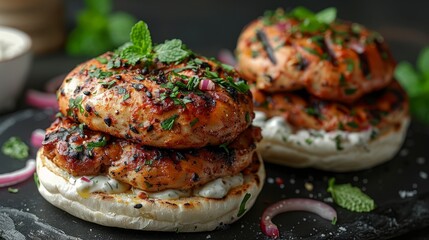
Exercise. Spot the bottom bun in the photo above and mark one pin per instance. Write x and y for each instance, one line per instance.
(189, 214)
(333, 158)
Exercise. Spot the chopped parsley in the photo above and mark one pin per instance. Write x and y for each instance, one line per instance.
(337, 140)
(243, 209)
(169, 122)
(14, 147)
(350, 64)
(107, 85)
(75, 103)
(353, 125)
(193, 122)
(12, 190)
(350, 91)
(101, 143)
(224, 146)
(98, 73)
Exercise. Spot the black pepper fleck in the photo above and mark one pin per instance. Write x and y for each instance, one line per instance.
(138, 206)
(108, 121)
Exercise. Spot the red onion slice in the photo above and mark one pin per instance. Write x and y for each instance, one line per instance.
(8, 179)
(294, 204)
(207, 85)
(226, 56)
(41, 100)
(85, 179)
(37, 137)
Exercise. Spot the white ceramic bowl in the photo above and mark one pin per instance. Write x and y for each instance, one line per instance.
(15, 61)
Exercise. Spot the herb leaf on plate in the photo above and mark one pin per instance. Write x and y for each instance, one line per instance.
(349, 197)
(415, 80)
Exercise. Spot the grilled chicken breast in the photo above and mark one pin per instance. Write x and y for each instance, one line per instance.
(382, 109)
(81, 151)
(341, 62)
(191, 104)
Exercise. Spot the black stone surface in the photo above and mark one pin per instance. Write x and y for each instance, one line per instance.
(34, 218)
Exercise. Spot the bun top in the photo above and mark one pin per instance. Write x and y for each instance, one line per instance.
(161, 96)
(332, 59)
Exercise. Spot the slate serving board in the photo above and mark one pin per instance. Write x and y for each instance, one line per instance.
(400, 189)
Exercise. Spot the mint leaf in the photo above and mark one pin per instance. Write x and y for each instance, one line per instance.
(141, 46)
(302, 13)
(423, 63)
(171, 51)
(14, 147)
(140, 37)
(327, 15)
(408, 78)
(349, 197)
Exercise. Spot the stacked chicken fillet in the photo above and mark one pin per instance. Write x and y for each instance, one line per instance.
(324, 94)
(153, 146)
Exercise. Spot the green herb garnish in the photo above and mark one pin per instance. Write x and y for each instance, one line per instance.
(14, 147)
(193, 122)
(12, 190)
(98, 29)
(169, 122)
(171, 51)
(312, 22)
(350, 91)
(141, 44)
(101, 143)
(349, 197)
(243, 209)
(353, 125)
(36, 179)
(415, 81)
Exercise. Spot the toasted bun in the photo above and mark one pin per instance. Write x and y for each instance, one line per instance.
(351, 158)
(191, 214)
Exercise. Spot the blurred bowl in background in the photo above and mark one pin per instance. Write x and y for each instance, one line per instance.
(15, 61)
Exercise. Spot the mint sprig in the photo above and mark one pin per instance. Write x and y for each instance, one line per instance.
(171, 51)
(415, 80)
(312, 22)
(349, 197)
(141, 47)
(141, 44)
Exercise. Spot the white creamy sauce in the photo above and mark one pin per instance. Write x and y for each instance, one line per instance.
(12, 43)
(217, 188)
(169, 194)
(317, 140)
(220, 187)
(91, 184)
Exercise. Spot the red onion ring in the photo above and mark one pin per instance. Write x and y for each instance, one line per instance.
(41, 100)
(37, 137)
(207, 85)
(226, 56)
(8, 179)
(294, 204)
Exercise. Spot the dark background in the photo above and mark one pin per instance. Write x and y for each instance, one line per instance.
(208, 26)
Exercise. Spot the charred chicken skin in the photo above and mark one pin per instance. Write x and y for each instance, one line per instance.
(191, 104)
(80, 151)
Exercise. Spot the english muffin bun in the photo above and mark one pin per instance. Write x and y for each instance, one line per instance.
(323, 91)
(128, 210)
(152, 138)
